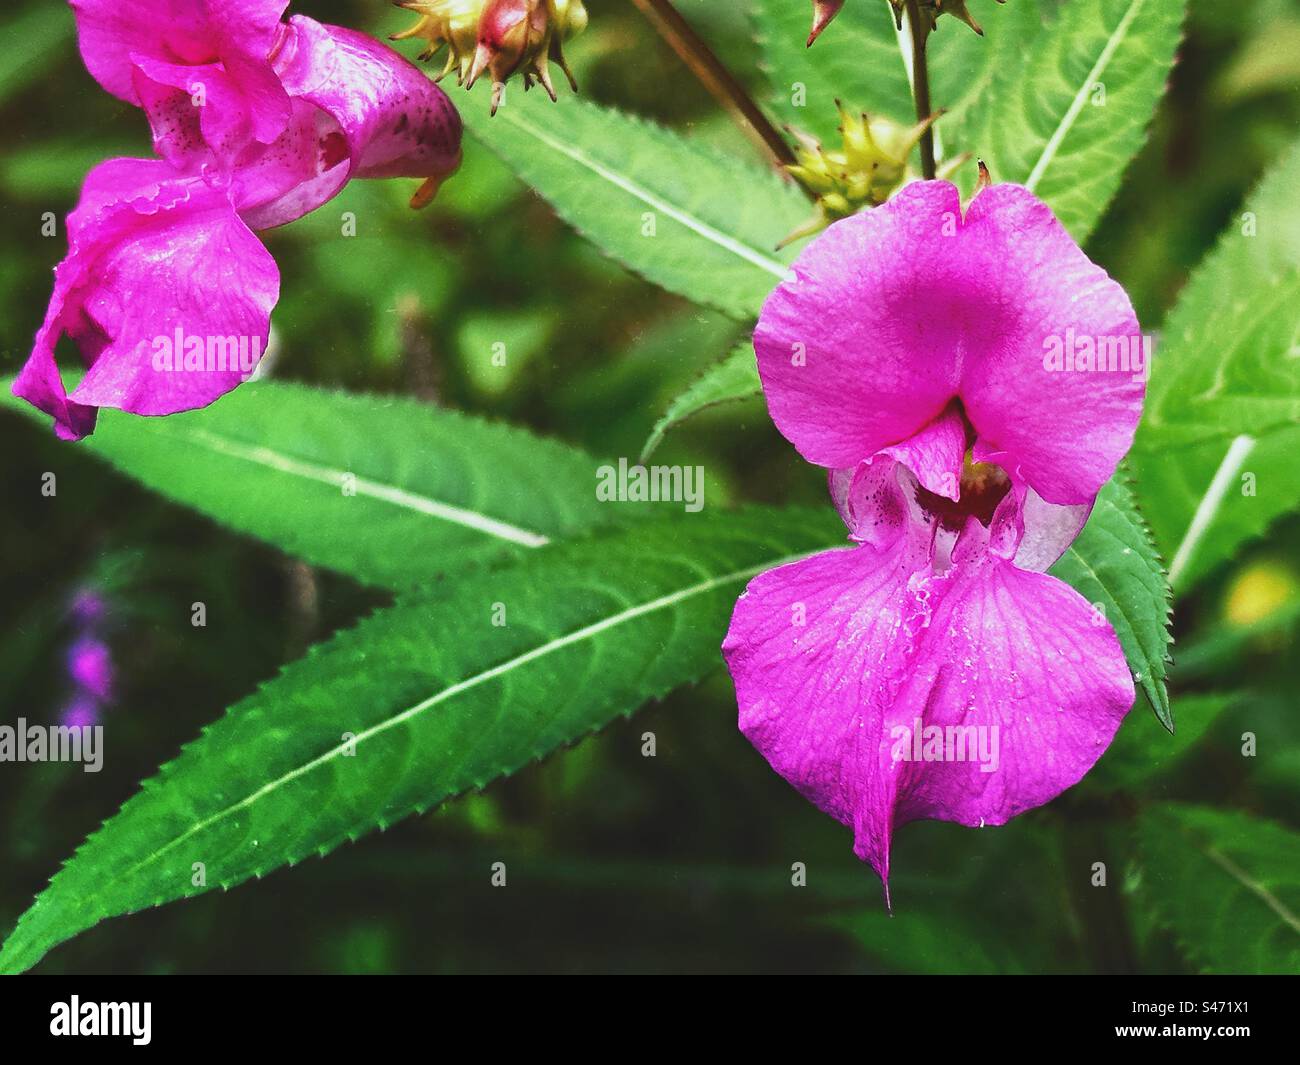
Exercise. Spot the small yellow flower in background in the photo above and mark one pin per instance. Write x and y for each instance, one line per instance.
(1260, 591)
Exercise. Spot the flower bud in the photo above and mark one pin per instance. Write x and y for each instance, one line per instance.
(450, 22)
(863, 171)
(823, 12)
(499, 37)
(932, 9)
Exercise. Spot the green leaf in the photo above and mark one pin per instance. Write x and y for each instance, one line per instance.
(1143, 750)
(1225, 883)
(1224, 398)
(516, 336)
(1068, 116)
(678, 213)
(1114, 565)
(444, 692)
(918, 941)
(955, 911)
(858, 61)
(388, 491)
(733, 379)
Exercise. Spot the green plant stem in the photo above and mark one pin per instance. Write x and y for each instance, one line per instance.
(715, 77)
(921, 84)
(1087, 835)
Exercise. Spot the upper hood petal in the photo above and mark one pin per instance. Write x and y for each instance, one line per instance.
(893, 313)
(852, 356)
(1061, 430)
(230, 41)
(372, 114)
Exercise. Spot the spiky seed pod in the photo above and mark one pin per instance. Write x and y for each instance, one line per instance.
(932, 9)
(449, 23)
(499, 38)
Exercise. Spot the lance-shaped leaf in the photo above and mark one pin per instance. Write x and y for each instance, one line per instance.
(1144, 751)
(1066, 118)
(733, 379)
(1215, 453)
(677, 212)
(859, 61)
(444, 692)
(1225, 883)
(1114, 565)
(389, 491)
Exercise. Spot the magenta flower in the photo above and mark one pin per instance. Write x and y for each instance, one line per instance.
(90, 665)
(89, 660)
(88, 607)
(81, 712)
(935, 670)
(257, 123)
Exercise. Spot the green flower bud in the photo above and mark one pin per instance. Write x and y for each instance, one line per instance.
(863, 170)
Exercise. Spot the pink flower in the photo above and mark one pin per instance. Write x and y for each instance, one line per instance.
(90, 665)
(89, 660)
(81, 712)
(257, 122)
(935, 670)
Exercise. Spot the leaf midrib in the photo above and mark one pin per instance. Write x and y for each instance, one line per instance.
(306, 469)
(1284, 293)
(501, 669)
(679, 214)
(1251, 885)
(1080, 100)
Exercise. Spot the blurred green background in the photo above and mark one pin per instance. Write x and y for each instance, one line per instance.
(617, 862)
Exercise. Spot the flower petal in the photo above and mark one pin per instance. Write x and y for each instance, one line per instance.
(1063, 432)
(186, 134)
(153, 255)
(223, 45)
(877, 500)
(860, 350)
(898, 310)
(936, 454)
(110, 32)
(1019, 664)
(249, 31)
(818, 650)
(1048, 530)
(378, 116)
(844, 664)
